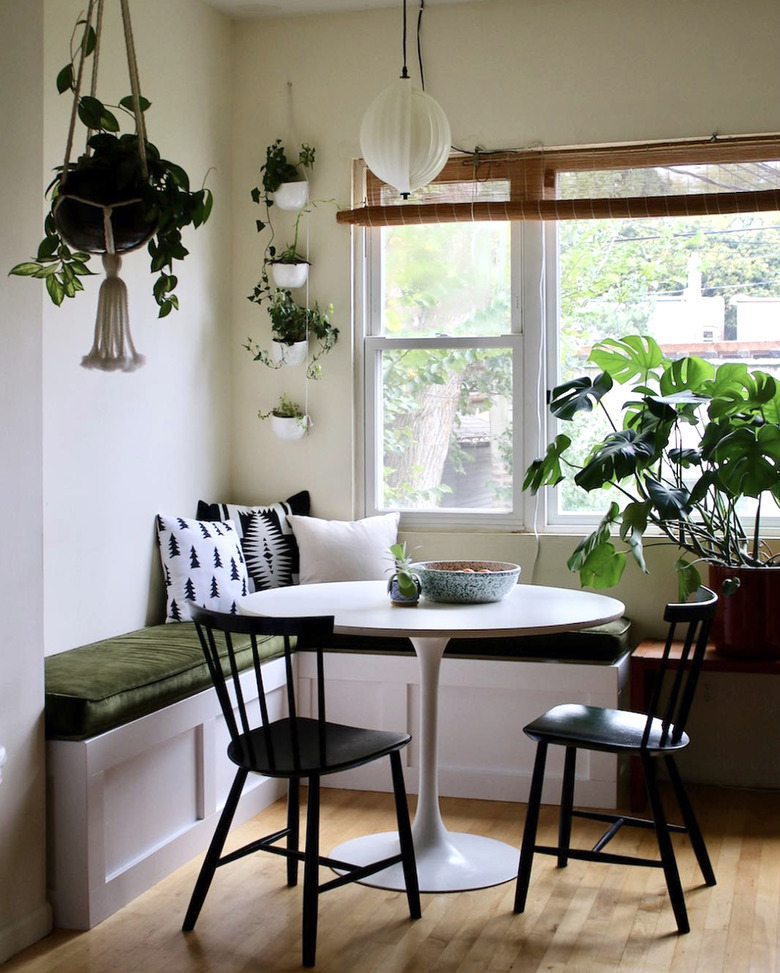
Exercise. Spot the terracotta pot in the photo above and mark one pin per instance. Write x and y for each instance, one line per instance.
(747, 623)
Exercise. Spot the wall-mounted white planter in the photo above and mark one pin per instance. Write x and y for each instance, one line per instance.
(292, 195)
(287, 428)
(289, 276)
(294, 354)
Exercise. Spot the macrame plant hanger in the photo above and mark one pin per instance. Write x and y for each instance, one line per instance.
(112, 348)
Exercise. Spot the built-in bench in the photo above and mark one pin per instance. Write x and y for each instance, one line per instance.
(136, 743)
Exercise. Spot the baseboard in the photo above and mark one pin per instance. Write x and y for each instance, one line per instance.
(23, 932)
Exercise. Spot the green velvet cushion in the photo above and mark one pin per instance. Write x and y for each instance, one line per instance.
(599, 644)
(96, 687)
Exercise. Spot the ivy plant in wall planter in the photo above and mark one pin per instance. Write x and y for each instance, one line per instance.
(289, 268)
(288, 419)
(284, 182)
(298, 334)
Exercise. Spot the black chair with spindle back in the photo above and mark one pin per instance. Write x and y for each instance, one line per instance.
(295, 748)
(658, 733)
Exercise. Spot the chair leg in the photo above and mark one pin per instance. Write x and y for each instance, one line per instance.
(405, 836)
(567, 804)
(214, 852)
(697, 841)
(668, 860)
(311, 874)
(293, 827)
(531, 824)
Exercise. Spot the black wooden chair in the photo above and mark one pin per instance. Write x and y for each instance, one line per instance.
(296, 748)
(658, 733)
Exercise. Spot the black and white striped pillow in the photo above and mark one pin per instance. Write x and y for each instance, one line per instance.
(267, 540)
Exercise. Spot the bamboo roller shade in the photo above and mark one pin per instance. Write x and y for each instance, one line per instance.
(709, 177)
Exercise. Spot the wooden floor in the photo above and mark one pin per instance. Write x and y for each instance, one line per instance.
(585, 918)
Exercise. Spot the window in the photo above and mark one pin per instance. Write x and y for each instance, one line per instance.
(442, 370)
(468, 319)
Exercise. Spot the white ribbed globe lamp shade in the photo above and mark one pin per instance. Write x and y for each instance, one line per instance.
(405, 137)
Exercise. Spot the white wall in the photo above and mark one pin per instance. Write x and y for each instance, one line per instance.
(24, 916)
(507, 74)
(118, 448)
(89, 458)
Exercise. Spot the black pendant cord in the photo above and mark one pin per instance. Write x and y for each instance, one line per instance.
(404, 72)
(419, 47)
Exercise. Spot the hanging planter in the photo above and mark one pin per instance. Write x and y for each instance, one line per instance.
(289, 427)
(289, 354)
(119, 195)
(288, 419)
(291, 195)
(291, 323)
(92, 213)
(290, 275)
(284, 182)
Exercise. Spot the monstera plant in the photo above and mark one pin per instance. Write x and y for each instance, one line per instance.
(693, 446)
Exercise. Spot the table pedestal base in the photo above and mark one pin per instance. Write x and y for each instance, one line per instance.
(454, 863)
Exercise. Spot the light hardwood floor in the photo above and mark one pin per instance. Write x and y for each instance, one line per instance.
(588, 917)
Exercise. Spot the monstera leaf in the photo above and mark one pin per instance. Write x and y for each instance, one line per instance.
(627, 358)
(620, 455)
(749, 460)
(547, 470)
(579, 395)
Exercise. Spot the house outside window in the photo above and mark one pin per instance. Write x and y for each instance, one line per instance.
(469, 321)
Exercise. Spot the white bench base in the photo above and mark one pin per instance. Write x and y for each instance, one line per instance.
(483, 706)
(129, 806)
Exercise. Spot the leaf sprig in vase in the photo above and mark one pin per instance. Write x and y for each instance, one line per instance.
(407, 581)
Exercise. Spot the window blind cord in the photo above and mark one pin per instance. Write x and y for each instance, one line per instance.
(540, 393)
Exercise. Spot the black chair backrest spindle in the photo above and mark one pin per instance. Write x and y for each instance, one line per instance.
(672, 709)
(217, 630)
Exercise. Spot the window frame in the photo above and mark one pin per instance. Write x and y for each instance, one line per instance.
(525, 339)
(533, 211)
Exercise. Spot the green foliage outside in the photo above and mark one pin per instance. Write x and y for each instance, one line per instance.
(441, 279)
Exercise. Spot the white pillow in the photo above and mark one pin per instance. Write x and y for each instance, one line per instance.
(344, 550)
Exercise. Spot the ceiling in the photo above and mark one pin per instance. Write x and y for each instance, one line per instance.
(252, 9)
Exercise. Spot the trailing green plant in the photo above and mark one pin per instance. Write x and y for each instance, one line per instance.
(291, 323)
(277, 169)
(164, 191)
(693, 442)
(286, 408)
(408, 581)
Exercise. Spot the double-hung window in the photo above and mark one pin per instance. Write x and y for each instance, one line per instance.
(490, 287)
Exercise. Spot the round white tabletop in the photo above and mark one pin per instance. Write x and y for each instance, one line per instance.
(446, 861)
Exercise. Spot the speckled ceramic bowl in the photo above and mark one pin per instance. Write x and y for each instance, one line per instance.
(467, 582)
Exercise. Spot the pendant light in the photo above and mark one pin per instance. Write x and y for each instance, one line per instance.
(405, 136)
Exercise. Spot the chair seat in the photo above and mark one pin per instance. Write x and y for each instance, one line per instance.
(599, 728)
(345, 747)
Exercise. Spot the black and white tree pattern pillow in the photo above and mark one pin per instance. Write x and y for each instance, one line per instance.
(202, 563)
(267, 540)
